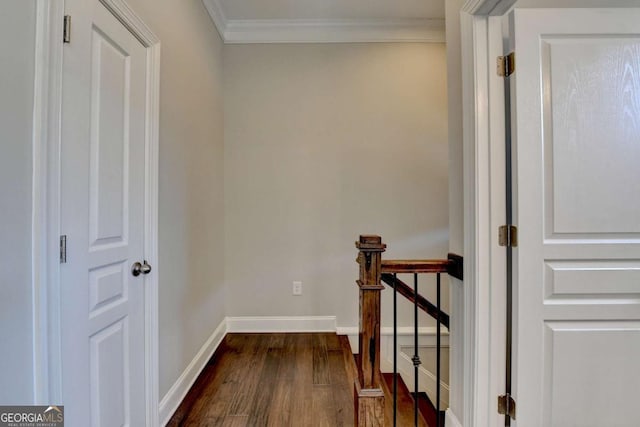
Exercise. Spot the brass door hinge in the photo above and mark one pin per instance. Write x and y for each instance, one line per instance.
(506, 64)
(508, 236)
(507, 406)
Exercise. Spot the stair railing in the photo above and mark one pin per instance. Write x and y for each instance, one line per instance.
(369, 395)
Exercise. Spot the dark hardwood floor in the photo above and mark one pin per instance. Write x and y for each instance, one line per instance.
(273, 380)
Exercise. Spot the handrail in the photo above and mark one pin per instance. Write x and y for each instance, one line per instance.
(452, 265)
(415, 266)
(424, 304)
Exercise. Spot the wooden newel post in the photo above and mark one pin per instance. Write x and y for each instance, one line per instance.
(369, 397)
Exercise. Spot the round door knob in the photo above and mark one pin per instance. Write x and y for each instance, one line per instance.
(146, 268)
(137, 268)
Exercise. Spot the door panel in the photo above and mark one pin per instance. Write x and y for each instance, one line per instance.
(591, 87)
(110, 94)
(586, 363)
(107, 287)
(102, 191)
(577, 207)
(110, 376)
(591, 282)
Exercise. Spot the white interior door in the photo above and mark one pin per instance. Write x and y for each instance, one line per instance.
(102, 203)
(577, 208)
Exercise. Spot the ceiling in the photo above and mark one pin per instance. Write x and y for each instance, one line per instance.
(300, 21)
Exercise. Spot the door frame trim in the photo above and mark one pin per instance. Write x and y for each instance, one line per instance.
(45, 227)
(483, 144)
(47, 352)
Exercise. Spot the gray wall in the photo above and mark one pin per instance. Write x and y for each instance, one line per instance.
(17, 44)
(454, 86)
(323, 143)
(191, 180)
(456, 200)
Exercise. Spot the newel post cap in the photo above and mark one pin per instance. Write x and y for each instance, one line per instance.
(370, 243)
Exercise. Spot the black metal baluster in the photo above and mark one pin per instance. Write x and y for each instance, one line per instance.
(395, 351)
(438, 349)
(416, 357)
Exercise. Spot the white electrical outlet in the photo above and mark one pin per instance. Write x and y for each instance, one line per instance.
(297, 288)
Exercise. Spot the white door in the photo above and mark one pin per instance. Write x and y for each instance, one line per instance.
(102, 201)
(577, 208)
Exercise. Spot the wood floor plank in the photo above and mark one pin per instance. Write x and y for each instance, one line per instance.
(349, 359)
(236, 421)
(301, 406)
(263, 397)
(323, 409)
(333, 342)
(277, 380)
(250, 365)
(320, 360)
(212, 376)
(280, 412)
(281, 404)
(342, 393)
(215, 399)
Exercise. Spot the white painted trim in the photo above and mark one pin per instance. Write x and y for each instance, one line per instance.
(347, 330)
(493, 360)
(482, 191)
(151, 281)
(123, 12)
(471, 263)
(450, 419)
(478, 300)
(180, 388)
(47, 106)
(336, 31)
(217, 15)
(323, 30)
(272, 324)
(351, 332)
(487, 7)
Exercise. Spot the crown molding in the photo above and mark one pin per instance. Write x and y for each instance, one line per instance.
(217, 15)
(324, 31)
(487, 7)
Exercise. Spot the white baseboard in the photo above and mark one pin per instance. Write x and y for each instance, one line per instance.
(450, 419)
(347, 330)
(266, 324)
(178, 391)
